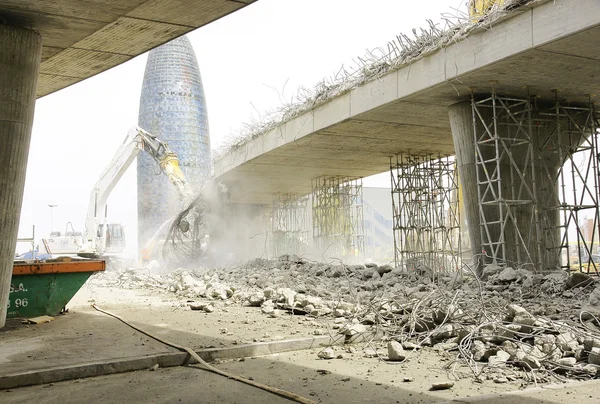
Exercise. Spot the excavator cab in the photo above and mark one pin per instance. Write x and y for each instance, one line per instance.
(114, 237)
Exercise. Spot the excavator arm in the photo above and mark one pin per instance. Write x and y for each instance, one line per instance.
(137, 140)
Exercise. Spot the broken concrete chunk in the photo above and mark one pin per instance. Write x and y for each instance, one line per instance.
(507, 275)
(567, 362)
(370, 353)
(446, 314)
(410, 345)
(590, 343)
(267, 307)
(478, 350)
(287, 295)
(353, 329)
(500, 358)
(567, 341)
(514, 309)
(444, 332)
(545, 343)
(490, 270)
(384, 269)
(197, 306)
(395, 351)
(578, 279)
(326, 353)
(256, 299)
(594, 356)
(445, 346)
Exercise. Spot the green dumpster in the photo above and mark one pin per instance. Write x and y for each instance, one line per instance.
(45, 287)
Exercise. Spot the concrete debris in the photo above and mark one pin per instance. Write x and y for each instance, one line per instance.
(500, 358)
(370, 353)
(353, 329)
(510, 318)
(327, 353)
(410, 345)
(578, 279)
(268, 307)
(507, 275)
(395, 351)
(594, 356)
(567, 362)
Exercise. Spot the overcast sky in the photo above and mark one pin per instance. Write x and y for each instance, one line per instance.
(249, 62)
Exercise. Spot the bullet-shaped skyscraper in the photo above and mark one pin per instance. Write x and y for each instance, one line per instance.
(173, 108)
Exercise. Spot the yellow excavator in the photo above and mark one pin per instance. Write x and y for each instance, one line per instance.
(101, 238)
(479, 8)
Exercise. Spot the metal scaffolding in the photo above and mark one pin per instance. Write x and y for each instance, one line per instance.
(337, 213)
(290, 224)
(426, 214)
(537, 175)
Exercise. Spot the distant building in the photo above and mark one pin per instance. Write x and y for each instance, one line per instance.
(172, 107)
(377, 216)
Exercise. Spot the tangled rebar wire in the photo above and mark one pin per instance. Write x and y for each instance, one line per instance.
(399, 52)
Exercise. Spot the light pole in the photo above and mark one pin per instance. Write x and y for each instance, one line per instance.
(51, 209)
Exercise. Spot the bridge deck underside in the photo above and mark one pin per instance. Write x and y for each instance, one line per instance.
(81, 38)
(355, 134)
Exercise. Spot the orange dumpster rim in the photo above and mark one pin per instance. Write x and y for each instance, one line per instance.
(39, 268)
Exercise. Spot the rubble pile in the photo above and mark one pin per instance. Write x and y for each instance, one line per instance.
(509, 323)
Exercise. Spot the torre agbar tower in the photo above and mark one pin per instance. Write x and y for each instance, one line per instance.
(173, 108)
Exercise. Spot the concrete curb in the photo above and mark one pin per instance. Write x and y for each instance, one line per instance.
(108, 367)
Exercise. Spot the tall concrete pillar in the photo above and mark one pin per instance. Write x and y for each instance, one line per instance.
(461, 122)
(531, 224)
(20, 53)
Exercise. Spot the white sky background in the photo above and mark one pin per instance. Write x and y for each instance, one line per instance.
(245, 60)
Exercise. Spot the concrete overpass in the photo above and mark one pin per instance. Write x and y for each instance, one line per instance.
(537, 49)
(47, 45)
(430, 105)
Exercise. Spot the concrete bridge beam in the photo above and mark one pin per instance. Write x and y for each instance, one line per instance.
(20, 53)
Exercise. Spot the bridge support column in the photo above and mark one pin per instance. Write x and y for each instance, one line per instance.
(289, 224)
(337, 216)
(20, 52)
(522, 187)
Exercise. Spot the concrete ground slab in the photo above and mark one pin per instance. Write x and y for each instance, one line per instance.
(86, 343)
(187, 385)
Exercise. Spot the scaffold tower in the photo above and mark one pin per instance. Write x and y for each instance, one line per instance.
(290, 224)
(337, 215)
(426, 214)
(538, 175)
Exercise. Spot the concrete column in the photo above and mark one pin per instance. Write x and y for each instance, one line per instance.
(461, 122)
(541, 179)
(20, 53)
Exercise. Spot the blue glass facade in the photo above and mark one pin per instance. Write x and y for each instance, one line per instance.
(172, 107)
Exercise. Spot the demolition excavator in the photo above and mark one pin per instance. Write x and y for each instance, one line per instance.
(101, 238)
